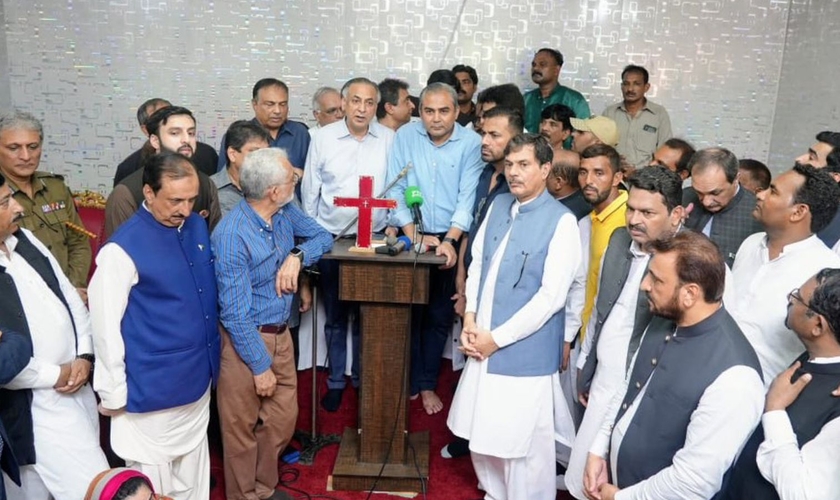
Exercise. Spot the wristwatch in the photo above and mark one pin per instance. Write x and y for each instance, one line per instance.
(451, 241)
(87, 357)
(297, 252)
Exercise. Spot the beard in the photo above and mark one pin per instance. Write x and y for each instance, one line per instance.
(670, 310)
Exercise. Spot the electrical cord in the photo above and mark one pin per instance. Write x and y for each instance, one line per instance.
(401, 399)
(289, 475)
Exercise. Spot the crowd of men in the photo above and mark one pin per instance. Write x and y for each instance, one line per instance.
(640, 320)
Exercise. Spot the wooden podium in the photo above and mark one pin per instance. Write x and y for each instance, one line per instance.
(383, 284)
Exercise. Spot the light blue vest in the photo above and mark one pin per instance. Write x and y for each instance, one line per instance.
(519, 278)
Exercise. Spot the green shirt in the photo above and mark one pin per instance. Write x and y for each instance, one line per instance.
(534, 104)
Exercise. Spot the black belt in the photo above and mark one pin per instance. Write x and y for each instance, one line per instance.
(274, 329)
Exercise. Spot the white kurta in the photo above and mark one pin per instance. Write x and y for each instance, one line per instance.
(762, 286)
(515, 402)
(611, 353)
(159, 443)
(65, 426)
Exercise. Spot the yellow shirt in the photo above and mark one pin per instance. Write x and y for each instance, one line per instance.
(603, 225)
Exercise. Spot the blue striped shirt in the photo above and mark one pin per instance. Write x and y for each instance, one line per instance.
(447, 175)
(249, 253)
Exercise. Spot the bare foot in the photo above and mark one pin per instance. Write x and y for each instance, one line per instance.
(431, 402)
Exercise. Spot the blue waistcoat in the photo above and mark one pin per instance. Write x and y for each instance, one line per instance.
(519, 278)
(169, 326)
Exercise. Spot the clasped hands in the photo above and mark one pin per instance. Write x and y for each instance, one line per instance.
(476, 342)
(72, 376)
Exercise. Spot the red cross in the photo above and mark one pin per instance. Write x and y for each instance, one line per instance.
(366, 204)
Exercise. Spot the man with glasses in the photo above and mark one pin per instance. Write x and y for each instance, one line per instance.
(794, 452)
(257, 391)
(326, 108)
(769, 264)
(338, 155)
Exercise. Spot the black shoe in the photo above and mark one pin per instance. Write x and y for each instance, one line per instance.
(332, 400)
(459, 447)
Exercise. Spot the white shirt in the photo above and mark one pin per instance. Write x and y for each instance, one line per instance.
(811, 472)
(50, 325)
(724, 419)
(761, 289)
(334, 163)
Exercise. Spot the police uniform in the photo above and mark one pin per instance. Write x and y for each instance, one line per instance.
(46, 214)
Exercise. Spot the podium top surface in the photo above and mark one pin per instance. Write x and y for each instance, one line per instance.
(341, 251)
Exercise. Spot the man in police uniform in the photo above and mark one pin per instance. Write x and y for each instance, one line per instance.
(49, 211)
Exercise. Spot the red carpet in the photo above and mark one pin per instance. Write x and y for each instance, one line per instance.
(451, 479)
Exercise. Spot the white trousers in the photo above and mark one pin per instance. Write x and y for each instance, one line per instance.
(67, 452)
(185, 478)
(526, 478)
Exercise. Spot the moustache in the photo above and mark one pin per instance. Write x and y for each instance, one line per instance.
(536, 73)
(18, 216)
(637, 227)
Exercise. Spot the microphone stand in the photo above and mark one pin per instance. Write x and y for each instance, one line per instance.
(312, 444)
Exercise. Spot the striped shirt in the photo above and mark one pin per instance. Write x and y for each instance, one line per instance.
(249, 253)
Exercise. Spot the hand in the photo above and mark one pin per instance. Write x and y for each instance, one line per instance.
(608, 491)
(460, 305)
(594, 476)
(299, 173)
(468, 344)
(391, 231)
(82, 294)
(110, 413)
(446, 249)
(782, 392)
(286, 280)
(567, 354)
(687, 212)
(63, 377)
(428, 240)
(484, 343)
(79, 373)
(305, 296)
(265, 383)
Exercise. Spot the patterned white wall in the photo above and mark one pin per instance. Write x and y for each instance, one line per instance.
(84, 65)
(809, 96)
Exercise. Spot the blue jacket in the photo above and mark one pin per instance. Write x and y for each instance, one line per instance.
(170, 323)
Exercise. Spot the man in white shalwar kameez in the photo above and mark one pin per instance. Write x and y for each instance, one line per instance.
(513, 331)
(153, 307)
(58, 448)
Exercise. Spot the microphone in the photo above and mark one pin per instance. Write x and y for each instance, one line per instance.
(402, 244)
(414, 200)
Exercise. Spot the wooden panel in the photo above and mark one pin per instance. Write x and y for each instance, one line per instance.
(384, 282)
(382, 401)
(354, 475)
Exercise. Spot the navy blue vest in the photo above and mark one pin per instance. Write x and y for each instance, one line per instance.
(169, 326)
(813, 409)
(683, 365)
(520, 276)
(15, 406)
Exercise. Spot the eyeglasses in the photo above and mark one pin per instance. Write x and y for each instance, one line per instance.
(794, 295)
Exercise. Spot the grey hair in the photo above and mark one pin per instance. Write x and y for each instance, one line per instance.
(345, 89)
(261, 170)
(17, 119)
(321, 92)
(439, 87)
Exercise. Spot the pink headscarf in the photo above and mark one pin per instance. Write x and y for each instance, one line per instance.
(107, 483)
